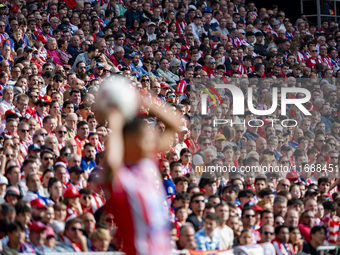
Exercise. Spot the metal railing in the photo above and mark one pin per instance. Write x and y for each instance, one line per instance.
(324, 248)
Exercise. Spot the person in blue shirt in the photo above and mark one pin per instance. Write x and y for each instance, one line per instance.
(89, 155)
(136, 69)
(206, 238)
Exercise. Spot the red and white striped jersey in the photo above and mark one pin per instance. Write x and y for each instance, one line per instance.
(300, 57)
(327, 60)
(100, 147)
(39, 118)
(137, 205)
(332, 226)
(97, 201)
(92, 76)
(235, 41)
(241, 69)
(24, 146)
(311, 62)
(3, 37)
(43, 54)
(281, 248)
(181, 86)
(121, 65)
(186, 170)
(248, 70)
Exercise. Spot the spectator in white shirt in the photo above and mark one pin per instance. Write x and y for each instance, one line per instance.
(7, 100)
(197, 28)
(222, 27)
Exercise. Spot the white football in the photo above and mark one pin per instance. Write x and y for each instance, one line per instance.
(118, 91)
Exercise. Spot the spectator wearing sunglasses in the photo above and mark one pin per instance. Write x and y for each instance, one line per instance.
(80, 67)
(267, 233)
(196, 217)
(73, 239)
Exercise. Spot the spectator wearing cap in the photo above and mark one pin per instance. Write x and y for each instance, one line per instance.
(38, 238)
(50, 241)
(126, 61)
(130, 42)
(97, 72)
(39, 45)
(135, 67)
(235, 64)
(76, 177)
(71, 199)
(12, 195)
(258, 46)
(150, 31)
(164, 90)
(16, 239)
(38, 209)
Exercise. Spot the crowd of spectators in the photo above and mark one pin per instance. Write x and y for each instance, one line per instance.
(55, 56)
